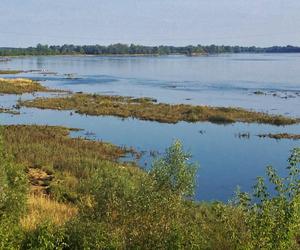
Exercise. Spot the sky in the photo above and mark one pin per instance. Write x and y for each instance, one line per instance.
(150, 22)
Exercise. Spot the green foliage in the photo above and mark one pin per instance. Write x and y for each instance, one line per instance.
(133, 49)
(13, 188)
(273, 221)
(129, 208)
(88, 234)
(45, 237)
(122, 207)
(174, 172)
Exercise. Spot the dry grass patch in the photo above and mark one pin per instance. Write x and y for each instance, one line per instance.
(148, 109)
(20, 86)
(41, 208)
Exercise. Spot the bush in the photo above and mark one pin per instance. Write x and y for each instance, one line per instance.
(13, 189)
(273, 221)
(174, 173)
(138, 212)
(46, 236)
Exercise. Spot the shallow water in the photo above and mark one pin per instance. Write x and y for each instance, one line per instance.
(224, 80)
(228, 80)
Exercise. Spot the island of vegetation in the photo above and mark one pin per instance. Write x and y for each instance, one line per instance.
(9, 111)
(133, 49)
(10, 72)
(59, 192)
(148, 109)
(19, 86)
(280, 136)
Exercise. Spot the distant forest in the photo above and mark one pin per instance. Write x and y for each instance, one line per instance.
(124, 49)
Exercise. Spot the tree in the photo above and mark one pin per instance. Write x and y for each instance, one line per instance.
(174, 172)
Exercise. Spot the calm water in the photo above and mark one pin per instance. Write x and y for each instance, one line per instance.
(228, 80)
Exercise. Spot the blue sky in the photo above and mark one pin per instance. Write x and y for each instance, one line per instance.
(150, 22)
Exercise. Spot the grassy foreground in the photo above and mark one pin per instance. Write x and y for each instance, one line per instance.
(148, 109)
(64, 193)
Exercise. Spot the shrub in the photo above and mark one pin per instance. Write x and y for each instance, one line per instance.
(13, 189)
(173, 172)
(274, 220)
(46, 236)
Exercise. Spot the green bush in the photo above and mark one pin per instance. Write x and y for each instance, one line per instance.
(45, 237)
(173, 172)
(273, 221)
(139, 212)
(13, 189)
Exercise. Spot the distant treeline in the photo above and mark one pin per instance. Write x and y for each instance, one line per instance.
(124, 49)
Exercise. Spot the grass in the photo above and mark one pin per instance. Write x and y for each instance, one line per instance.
(41, 208)
(20, 86)
(280, 136)
(69, 160)
(55, 164)
(47, 145)
(148, 109)
(10, 72)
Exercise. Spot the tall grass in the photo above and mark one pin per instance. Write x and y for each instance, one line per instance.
(43, 209)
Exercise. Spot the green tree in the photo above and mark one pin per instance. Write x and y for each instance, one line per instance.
(174, 171)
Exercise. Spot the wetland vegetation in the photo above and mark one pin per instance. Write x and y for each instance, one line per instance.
(10, 72)
(20, 86)
(148, 109)
(71, 193)
(280, 136)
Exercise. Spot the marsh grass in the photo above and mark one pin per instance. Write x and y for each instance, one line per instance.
(43, 209)
(20, 86)
(67, 159)
(148, 109)
(10, 72)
